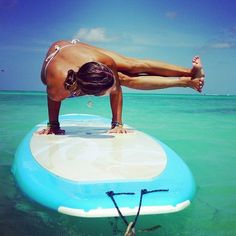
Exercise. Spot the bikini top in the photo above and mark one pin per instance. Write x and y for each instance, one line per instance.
(57, 50)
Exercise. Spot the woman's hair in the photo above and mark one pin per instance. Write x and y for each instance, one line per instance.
(93, 78)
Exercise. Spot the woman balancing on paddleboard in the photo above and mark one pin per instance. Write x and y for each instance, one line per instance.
(73, 69)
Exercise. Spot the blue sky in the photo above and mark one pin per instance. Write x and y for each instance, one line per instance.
(168, 30)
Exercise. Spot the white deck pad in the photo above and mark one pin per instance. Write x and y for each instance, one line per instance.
(88, 153)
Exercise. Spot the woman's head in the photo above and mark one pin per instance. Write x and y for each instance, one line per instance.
(93, 78)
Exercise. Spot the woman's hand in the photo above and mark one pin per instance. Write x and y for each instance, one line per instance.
(50, 130)
(118, 130)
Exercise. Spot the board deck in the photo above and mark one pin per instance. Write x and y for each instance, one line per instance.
(72, 173)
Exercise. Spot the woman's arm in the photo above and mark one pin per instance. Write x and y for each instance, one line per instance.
(116, 102)
(53, 114)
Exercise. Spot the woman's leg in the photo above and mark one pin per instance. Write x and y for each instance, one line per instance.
(158, 68)
(157, 82)
(131, 66)
(147, 82)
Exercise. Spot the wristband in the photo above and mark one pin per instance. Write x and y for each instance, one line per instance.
(116, 124)
(53, 125)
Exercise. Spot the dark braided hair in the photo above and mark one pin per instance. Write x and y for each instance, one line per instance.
(93, 78)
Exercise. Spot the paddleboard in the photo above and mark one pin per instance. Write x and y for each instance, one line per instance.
(90, 173)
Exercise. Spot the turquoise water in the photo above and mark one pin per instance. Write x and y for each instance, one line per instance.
(201, 129)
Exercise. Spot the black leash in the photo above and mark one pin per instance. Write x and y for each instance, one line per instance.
(111, 194)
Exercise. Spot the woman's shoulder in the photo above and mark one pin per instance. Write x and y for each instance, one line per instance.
(57, 92)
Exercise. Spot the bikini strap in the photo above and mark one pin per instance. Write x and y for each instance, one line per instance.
(57, 49)
(75, 41)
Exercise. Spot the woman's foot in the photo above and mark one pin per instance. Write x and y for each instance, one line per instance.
(194, 83)
(197, 70)
(198, 75)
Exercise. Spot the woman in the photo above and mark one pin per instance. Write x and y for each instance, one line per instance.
(73, 69)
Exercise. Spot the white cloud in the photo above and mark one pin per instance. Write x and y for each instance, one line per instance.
(221, 45)
(93, 35)
(226, 38)
(165, 39)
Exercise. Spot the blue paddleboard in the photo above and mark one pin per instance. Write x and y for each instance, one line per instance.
(90, 173)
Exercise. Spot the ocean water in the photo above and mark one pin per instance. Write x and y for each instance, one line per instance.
(201, 129)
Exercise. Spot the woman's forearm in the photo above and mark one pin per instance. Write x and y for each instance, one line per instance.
(116, 102)
(53, 110)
